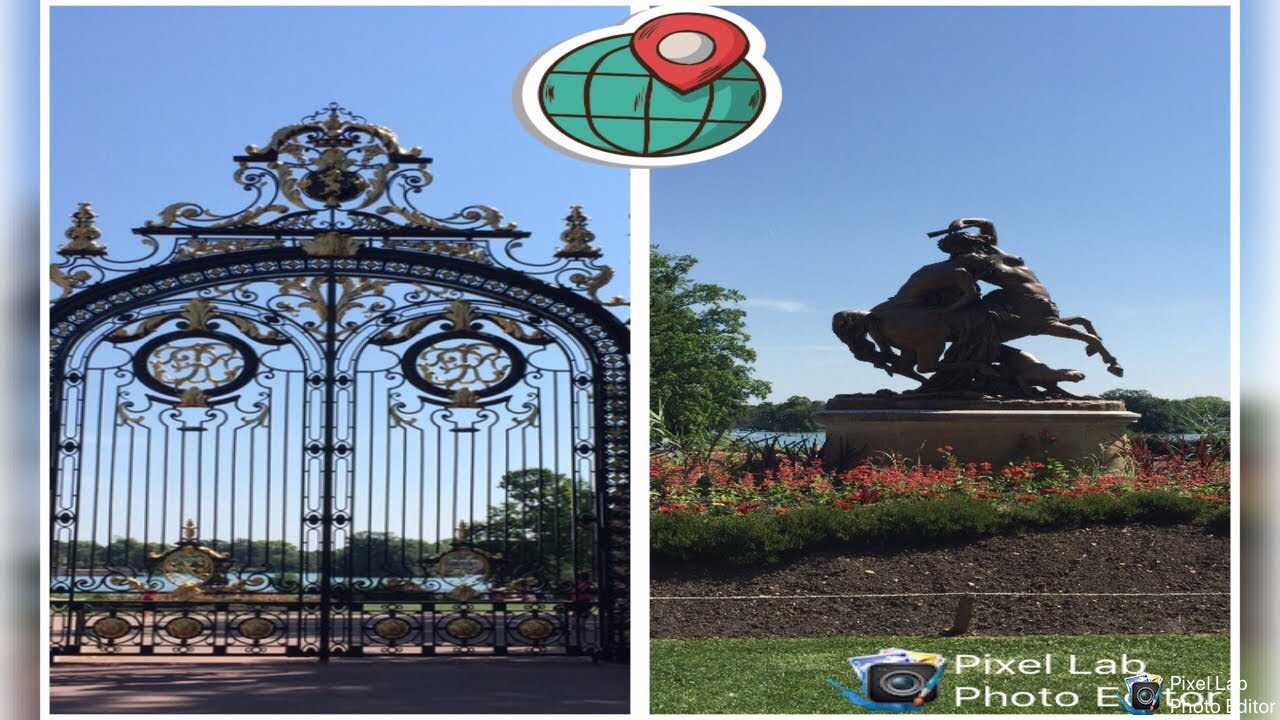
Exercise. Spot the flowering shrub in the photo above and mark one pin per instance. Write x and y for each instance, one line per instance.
(716, 485)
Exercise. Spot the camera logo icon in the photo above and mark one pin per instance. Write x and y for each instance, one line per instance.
(895, 680)
(1143, 697)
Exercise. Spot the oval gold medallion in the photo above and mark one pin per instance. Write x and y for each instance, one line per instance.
(111, 628)
(392, 628)
(184, 628)
(464, 628)
(256, 628)
(536, 628)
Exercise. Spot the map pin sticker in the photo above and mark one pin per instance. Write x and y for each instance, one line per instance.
(667, 86)
(689, 50)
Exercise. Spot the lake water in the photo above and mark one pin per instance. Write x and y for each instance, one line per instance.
(756, 436)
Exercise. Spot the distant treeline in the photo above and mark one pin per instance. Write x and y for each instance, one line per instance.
(1201, 414)
(791, 415)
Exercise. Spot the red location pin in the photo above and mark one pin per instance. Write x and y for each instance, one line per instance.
(688, 50)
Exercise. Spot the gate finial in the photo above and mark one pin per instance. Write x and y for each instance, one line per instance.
(82, 233)
(577, 237)
(189, 531)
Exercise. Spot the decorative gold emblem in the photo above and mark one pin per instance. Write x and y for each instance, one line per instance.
(82, 233)
(464, 364)
(464, 398)
(577, 238)
(192, 397)
(184, 628)
(392, 628)
(257, 628)
(463, 562)
(196, 569)
(332, 244)
(111, 628)
(464, 628)
(535, 628)
(195, 363)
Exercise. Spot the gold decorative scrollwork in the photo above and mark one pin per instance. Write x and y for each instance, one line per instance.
(124, 418)
(191, 211)
(461, 313)
(399, 420)
(592, 283)
(473, 365)
(529, 419)
(199, 363)
(354, 294)
(198, 312)
(67, 281)
(465, 250)
(483, 215)
(260, 419)
(331, 161)
(251, 329)
(518, 331)
(199, 247)
(332, 244)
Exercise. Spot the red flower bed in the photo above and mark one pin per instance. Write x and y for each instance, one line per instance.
(719, 485)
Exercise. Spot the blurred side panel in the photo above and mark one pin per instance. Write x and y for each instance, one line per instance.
(19, 330)
(1259, 429)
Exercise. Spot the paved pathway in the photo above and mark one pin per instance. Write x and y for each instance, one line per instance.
(373, 685)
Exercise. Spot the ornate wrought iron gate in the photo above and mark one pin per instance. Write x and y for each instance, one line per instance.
(331, 424)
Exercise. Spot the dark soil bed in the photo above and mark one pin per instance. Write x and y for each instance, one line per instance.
(1136, 572)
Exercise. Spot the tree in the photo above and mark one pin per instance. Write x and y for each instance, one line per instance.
(533, 527)
(701, 374)
(1201, 414)
(795, 414)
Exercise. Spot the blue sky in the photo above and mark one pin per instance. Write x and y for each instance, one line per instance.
(149, 105)
(1096, 138)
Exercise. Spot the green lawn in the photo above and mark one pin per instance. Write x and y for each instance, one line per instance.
(789, 676)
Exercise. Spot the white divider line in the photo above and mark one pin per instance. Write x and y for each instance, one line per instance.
(937, 594)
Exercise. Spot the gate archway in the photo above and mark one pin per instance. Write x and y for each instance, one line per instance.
(332, 424)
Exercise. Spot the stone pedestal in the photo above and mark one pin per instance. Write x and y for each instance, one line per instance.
(1077, 432)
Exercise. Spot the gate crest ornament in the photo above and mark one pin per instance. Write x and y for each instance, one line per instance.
(334, 185)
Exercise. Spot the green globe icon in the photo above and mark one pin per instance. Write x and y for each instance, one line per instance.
(601, 96)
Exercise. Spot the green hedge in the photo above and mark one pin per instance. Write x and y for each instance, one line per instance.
(764, 537)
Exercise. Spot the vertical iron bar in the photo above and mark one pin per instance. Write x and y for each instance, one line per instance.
(326, 515)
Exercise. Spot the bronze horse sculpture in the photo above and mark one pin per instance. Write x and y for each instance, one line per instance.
(939, 322)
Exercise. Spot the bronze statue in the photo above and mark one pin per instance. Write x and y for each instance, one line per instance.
(940, 323)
